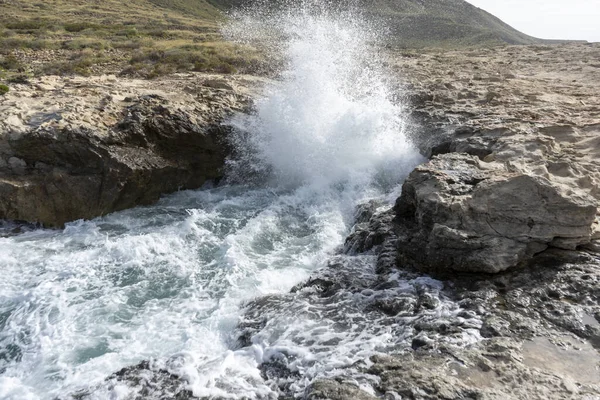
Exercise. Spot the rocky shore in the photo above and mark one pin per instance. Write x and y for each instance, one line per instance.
(504, 215)
(518, 171)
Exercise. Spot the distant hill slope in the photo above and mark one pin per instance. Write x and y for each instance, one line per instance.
(417, 23)
(445, 22)
(156, 37)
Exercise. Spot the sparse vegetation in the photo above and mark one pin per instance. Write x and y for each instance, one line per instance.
(3, 89)
(146, 38)
(10, 62)
(217, 57)
(78, 64)
(150, 38)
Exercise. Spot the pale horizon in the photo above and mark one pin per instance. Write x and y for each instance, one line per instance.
(548, 19)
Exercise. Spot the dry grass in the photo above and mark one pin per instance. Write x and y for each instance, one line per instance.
(146, 38)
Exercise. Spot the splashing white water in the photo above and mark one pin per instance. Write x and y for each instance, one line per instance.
(167, 282)
(332, 118)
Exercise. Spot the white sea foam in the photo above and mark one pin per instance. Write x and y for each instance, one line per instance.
(332, 118)
(167, 283)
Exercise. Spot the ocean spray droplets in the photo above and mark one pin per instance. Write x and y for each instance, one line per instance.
(331, 118)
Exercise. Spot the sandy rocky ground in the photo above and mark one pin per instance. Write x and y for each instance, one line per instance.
(505, 213)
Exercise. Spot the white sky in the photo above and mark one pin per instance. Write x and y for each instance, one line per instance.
(548, 19)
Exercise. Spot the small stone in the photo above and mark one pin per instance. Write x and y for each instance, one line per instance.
(419, 342)
(44, 87)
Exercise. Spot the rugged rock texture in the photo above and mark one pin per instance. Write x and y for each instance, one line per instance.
(525, 333)
(513, 88)
(531, 332)
(84, 147)
(457, 212)
(539, 340)
(515, 172)
(332, 390)
(512, 189)
(514, 179)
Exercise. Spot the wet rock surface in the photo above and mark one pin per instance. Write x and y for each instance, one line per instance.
(538, 326)
(527, 327)
(531, 332)
(145, 380)
(333, 390)
(77, 148)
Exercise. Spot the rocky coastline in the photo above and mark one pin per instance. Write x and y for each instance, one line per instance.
(504, 214)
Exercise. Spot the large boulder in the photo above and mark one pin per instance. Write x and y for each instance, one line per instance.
(460, 213)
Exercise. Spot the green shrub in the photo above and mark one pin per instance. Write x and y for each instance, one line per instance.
(132, 44)
(21, 78)
(80, 44)
(29, 26)
(39, 44)
(7, 33)
(160, 70)
(79, 64)
(42, 6)
(158, 33)
(76, 27)
(12, 43)
(3, 90)
(10, 62)
(18, 43)
(129, 33)
(186, 58)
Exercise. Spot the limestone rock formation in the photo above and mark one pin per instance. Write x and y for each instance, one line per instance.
(512, 173)
(115, 146)
(332, 390)
(464, 214)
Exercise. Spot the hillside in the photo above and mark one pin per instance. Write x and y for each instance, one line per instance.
(444, 23)
(427, 23)
(150, 38)
(138, 37)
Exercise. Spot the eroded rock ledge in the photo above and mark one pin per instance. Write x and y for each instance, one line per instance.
(84, 147)
(490, 199)
(513, 134)
(513, 190)
(458, 212)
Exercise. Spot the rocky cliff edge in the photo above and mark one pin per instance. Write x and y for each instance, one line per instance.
(78, 148)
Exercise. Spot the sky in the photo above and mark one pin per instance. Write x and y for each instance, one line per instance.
(548, 19)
